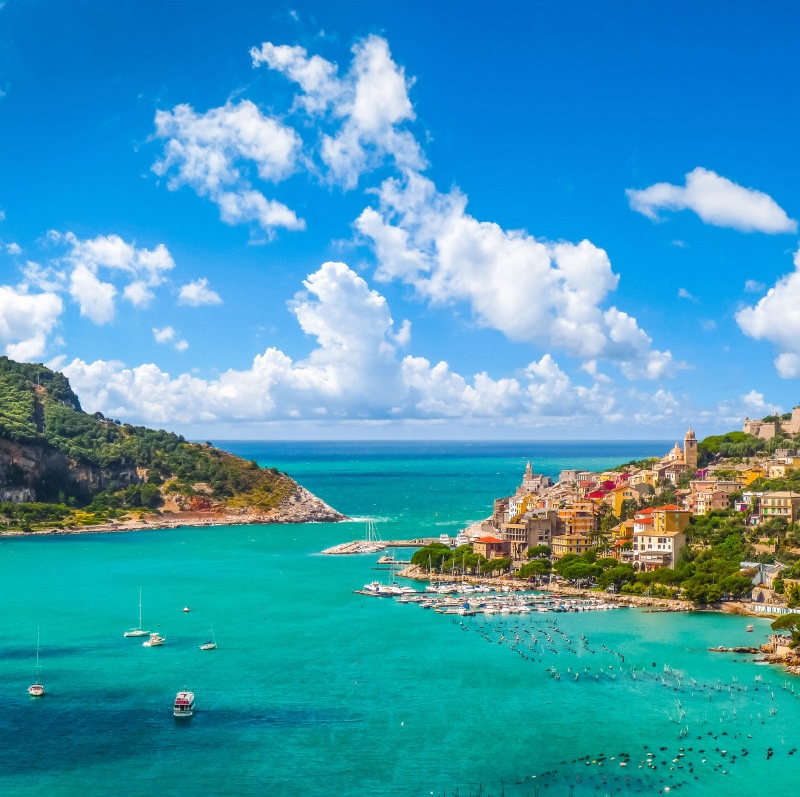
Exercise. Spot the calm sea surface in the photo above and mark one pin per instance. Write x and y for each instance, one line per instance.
(317, 691)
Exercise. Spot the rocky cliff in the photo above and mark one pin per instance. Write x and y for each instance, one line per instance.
(51, 452)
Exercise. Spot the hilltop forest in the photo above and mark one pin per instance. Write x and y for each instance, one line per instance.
(61, 466)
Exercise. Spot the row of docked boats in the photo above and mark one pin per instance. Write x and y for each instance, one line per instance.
(471, 599)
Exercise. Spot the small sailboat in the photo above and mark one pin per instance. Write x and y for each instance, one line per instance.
(36, 689)
(156, 640)
(138, 631)
(184, 704)
(211, 644)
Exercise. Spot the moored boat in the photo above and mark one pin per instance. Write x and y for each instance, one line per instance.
(184, 704)
(154, 641)
(211, 644)
(138, 631)
(36, 689)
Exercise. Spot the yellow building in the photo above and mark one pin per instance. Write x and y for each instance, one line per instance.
(644, 477)
(564, 544)
(615, 497)
(784, 504)
(753, 473)
(622, 531)
(670, 518)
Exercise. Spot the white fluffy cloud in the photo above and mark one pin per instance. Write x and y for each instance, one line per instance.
(212, 153)
(95, 298)
(142, 269)
(166, 335)
(26, 320)
(716, 200)
(197, 293)
(531, 290)
(368, 106)
(776, 318)
(355, 372)
(754, 401)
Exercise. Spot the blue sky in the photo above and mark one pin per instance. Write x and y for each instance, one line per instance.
(382, 220)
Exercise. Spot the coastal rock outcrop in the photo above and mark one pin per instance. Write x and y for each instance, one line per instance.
(303, 507)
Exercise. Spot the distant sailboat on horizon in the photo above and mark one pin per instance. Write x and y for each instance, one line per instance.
(36, 689)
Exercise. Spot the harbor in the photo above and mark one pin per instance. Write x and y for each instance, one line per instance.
(473, 599)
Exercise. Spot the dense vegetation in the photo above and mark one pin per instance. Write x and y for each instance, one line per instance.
(137, 467)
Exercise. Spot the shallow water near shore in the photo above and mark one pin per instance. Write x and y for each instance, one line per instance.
(317, 691)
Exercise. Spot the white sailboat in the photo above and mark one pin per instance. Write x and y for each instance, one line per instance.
(212, 644)
(138, 631)
(372, 541)
(36, 689)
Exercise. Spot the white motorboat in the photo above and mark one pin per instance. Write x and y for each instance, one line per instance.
(36, 689)
(184, 704)
(155, 641)
(138, 631)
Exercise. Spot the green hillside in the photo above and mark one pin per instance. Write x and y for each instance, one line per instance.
(66, 460)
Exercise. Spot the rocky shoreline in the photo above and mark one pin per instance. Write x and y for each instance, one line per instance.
(300, 507)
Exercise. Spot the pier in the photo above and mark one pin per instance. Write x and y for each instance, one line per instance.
(373, 546)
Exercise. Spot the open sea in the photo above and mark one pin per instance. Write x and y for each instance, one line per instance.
(315, 690)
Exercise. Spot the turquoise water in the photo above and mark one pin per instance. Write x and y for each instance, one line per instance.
(317, 691)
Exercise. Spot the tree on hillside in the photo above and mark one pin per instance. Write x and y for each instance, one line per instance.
(790, 623)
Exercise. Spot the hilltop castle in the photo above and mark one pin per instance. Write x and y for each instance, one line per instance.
(768, 429)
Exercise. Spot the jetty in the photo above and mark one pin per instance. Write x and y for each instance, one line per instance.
(373, 546)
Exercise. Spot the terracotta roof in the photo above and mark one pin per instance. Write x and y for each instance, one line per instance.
(489, 539)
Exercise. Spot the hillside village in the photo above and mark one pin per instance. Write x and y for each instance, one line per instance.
(695, 523)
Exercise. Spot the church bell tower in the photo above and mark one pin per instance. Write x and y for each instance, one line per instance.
(690, 450)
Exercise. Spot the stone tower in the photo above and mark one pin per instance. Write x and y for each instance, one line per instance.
(690, 450)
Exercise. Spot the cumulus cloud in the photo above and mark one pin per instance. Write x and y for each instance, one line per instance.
(354, 372)
(166, 335)
(716, 200)
(548, 293)
(754, 401)
(197, 293)
(368, 106)
(26, 320)
(95, 298)
(14, 249)
(776, 318)
(213, 152)
(685, 294)
(85, 259)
